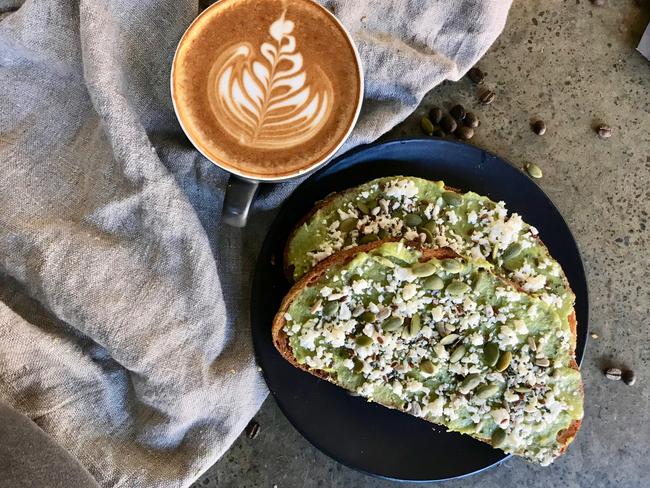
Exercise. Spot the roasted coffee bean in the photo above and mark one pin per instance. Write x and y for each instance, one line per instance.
(435, 114)
(448, 124)
(613, 374)
(471, 120)
(458, 112)
(464, 133)
(604, 131)
(539, 127)
(252, 429)
(629, 378)
(486, 97)
(476, 75)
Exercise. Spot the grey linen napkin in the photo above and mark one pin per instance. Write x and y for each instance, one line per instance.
(124, 327)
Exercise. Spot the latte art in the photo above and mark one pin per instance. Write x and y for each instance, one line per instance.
(266, 99)
(266, 89)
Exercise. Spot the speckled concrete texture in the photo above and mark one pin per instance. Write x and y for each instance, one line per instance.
(574, 65)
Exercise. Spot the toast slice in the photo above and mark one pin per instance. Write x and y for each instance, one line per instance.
(436, 216)
(441, 337)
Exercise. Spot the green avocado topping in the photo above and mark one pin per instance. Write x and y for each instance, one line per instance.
(446, 340)
(416, 209)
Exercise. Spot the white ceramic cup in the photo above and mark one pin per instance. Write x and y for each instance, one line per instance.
(242, 188)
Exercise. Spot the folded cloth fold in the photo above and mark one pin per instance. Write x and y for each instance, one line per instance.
(123, 301)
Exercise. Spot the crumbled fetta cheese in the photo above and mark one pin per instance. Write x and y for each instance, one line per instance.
(505, 232)
(534, 283)
(400, 188)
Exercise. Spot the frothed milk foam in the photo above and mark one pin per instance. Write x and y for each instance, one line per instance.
(266, 88)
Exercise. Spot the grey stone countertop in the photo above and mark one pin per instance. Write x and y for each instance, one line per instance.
(574, 65)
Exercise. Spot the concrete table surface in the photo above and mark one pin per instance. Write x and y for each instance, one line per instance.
(574, 65)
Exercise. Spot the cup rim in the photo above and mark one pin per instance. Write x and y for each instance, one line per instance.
(302, 171)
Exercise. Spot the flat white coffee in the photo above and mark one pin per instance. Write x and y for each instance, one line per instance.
(266, 88)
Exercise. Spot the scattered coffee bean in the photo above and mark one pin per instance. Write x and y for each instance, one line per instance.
(486, 97)
(426, 125)
(435, 114)
(534, 170)
(464, 133)
(539, 127)
(476, 75)
(471, 120)
(629, 378)
(613, 374)
(458, 112)
(252, 429)
(598, 3)
(448, 124)
(604, 131)
(594, 335)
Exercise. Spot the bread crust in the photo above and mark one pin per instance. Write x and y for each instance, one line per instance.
(281, 339)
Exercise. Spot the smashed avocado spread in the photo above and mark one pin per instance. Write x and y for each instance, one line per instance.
(416, 209)
(445, 340)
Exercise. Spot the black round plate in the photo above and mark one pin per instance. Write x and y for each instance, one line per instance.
(366, 436)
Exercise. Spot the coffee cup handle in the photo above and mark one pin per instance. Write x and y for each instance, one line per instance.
(237, 203)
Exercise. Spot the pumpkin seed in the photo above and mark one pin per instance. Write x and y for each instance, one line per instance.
(512, 251)
(534, 170)
(427, 366)
(433, 283)
(426, 125)
(451, 265)
(491, 354)
(383, 234)
(457, 354)
(348, 224)
(414, 326)
(469, 383)
(392, 324)
(330, 308)
(358, 365)
(504, 361)
(412, 220)
(363, 340)
(422, 270)
(384, 261)
(427, 233)
(521, 389)
(368, 238)
(448, 339)
(481, 282)
(430, 226)
(452, 199)
(487, 391)
(367, 316)
(363, 206)
(498, 437)
(457, 288)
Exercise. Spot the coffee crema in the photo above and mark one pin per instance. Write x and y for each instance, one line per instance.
(266, 88)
